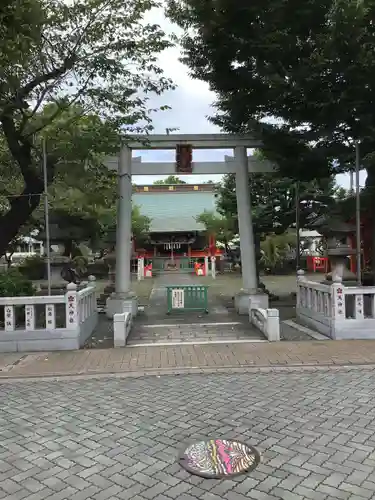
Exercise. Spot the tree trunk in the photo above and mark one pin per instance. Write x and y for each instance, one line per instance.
(8, 259)
(68, 248)
(20, 212)
(22, 206)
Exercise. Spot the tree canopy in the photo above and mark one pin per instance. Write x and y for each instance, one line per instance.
(306, 68)
(82, 197)
(220, 226)
(298, 75)
(274, 201)
(171, 179)
(62, 62)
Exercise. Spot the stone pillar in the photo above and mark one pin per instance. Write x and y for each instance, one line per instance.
(141, 268)
(123, 300)
(247, 242)
(206, 268)
(213, 267)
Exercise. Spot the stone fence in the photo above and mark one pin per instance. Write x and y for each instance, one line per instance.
(335, 310)
(47, 323)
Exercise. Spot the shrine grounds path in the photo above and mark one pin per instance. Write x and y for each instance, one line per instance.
(112, 438)
(288, 356)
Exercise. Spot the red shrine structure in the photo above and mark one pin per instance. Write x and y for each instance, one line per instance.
(175, 233)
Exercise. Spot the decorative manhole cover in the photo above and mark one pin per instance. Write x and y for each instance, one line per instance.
(219, 458)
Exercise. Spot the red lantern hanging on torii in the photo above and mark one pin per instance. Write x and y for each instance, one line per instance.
(184, 159)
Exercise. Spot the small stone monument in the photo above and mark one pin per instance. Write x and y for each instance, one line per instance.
(336, 233)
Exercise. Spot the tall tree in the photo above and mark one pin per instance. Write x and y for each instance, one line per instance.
(274, 201)
(220, 226)
(98, 55)
(308, 65)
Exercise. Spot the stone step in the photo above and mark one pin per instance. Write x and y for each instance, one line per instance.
(193, 332)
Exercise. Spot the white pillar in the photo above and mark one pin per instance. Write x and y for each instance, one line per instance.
(123, 300)
(247, 242)
(206, 269)
(213, 267)
(141, 269)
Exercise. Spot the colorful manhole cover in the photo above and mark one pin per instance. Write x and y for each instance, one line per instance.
(219, 458)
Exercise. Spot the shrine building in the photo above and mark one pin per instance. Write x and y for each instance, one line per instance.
(173, 210)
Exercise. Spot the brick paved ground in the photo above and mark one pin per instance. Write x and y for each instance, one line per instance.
(164, 359)
(110, 439)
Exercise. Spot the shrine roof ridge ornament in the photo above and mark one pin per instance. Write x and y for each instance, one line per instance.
(196, 141)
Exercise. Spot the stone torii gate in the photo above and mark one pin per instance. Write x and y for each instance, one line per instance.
(123, 299)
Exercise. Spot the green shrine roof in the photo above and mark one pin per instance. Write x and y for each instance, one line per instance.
(174, 210)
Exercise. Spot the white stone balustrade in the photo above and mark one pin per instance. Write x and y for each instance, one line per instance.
(338, 311)
(122, 324)
(267, 321)
(67, 320)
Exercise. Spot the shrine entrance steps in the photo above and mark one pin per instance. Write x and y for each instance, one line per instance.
(220, 325)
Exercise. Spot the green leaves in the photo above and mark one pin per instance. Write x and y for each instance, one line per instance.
(308, 66)
(78, 75)
(220, 226)
(274, 201)
(99, 54)
(171, 179)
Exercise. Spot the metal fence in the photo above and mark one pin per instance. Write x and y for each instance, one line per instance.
(187, 298)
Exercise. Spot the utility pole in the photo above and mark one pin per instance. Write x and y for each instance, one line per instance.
(297, 201)
(46, 214)
(358, 214)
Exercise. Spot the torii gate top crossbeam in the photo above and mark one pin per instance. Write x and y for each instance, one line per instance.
(197, 141)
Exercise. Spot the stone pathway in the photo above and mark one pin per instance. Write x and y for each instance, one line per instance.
(153, 326)
(221, 324)
(115, 439)
(137, 361)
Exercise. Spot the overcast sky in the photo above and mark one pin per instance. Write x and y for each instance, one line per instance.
(190, 105)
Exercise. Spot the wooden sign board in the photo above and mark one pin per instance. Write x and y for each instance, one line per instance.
(184, 159)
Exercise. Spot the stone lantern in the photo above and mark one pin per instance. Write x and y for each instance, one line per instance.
(58, 237)
(337, 234)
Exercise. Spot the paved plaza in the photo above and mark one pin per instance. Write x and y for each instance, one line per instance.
(138, 361)
(112, 438)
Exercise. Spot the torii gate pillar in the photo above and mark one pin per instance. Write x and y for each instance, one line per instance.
(123, 299)
(249, 291)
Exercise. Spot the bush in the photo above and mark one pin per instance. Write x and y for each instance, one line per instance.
(33, 268)
(98, 268)
(14, 284)
(80, 264)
